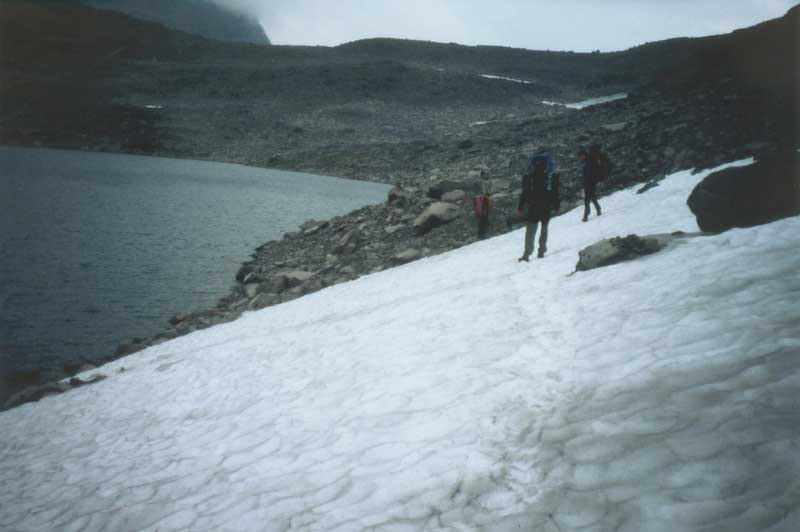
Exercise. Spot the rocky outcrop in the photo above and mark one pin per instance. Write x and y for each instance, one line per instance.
(751, 195)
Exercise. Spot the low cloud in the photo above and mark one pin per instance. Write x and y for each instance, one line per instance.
(577, 25)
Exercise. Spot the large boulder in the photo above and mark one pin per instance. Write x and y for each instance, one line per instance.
(613, 250)
(437, 214)
(750, 195)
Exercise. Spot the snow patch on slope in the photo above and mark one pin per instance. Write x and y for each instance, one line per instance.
(503, 78)
(590, 102)
(460, 392)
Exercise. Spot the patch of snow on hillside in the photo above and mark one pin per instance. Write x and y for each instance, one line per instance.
(597, 101)
(588, 103)
(461, 392)
(503, 78)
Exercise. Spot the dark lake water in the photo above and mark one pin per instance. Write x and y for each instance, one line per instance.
(98, 248)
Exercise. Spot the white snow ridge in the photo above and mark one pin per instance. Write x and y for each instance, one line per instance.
(462, 392)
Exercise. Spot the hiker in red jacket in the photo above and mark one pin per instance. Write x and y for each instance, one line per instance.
(482, 205)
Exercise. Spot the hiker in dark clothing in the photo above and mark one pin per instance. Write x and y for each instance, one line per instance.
(539, 198)
(482, 205)
(589, 186)
(596, 168)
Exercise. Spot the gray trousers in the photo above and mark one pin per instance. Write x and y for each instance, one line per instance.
(530, 235)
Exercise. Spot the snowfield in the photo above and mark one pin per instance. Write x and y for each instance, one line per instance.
(462, 392)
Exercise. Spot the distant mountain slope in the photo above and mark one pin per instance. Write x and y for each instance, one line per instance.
(385, 109)
(200, 17)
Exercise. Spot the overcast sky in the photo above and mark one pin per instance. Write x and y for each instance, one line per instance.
(579, 25)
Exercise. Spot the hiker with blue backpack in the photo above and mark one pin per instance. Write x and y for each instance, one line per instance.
(595, 168)
(538, 200)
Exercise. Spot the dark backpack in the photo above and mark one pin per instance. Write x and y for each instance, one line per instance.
(538, 166)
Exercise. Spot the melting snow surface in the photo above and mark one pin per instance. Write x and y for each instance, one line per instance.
(492, 76)
(590, 102)
(462, 392)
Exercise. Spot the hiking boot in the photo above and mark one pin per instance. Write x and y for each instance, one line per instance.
(541, 253)
(599, 212)
(522, 258)
(585, 219)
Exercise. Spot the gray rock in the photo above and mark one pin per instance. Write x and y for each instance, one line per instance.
(348, 243)
(392, 229)
(251, 290)
(309, 286)
(246, 270)
(400, 197)
(263, 301)
(275, 285)
(454, 196)
(251, 277)
(437, 214)
(618, 126)
(408, 255)
(614, 250)
(308, 224)
(295, 277)
(498, 185)
(316, 228)
(474, 174)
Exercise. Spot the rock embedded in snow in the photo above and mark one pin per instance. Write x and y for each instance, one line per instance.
(743, 197)
(614, 250)
(437, 214)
